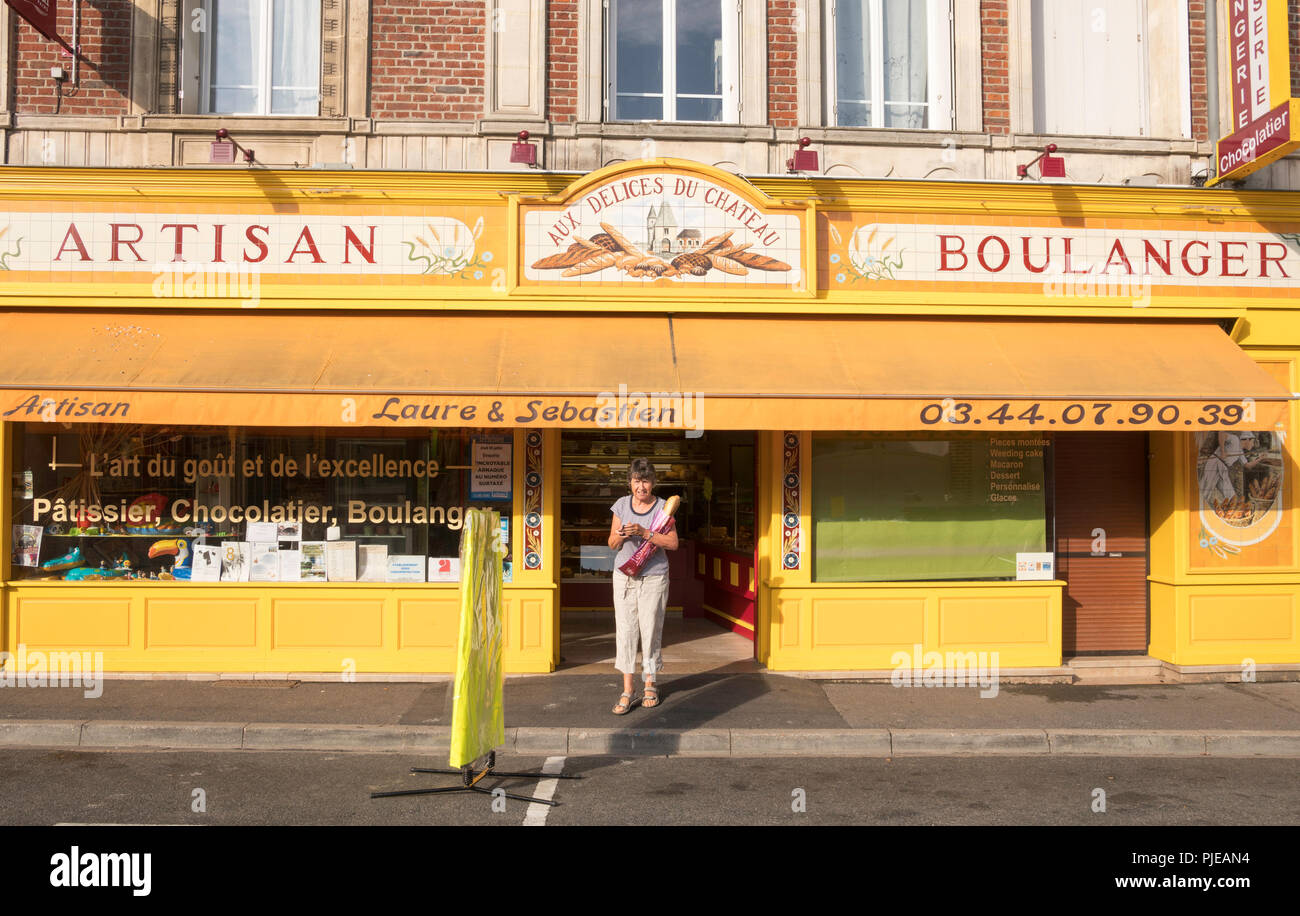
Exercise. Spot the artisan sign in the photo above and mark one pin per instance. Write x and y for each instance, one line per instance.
(1259, 70)
(164, 243)
(673, 227)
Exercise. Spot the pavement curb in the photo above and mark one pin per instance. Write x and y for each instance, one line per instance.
(616, 742)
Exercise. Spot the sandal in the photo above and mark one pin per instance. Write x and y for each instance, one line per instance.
(651, 698)
(623, 708)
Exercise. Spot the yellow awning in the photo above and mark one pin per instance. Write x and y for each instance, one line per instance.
(256, 368)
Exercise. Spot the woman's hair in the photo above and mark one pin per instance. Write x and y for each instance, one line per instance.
(641, 467)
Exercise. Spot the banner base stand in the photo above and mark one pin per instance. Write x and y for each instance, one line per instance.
(470, 782)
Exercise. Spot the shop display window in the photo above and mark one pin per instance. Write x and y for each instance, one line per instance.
(214, 504)
(906, 508)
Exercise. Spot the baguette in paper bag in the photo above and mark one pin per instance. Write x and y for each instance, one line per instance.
(662, 521)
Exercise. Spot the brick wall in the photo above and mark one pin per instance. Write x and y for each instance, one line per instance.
(105, 39)
(782, 56)
(994, 49)
(1293, 19)
(427, 59)
(1196, 13)
(562, 60)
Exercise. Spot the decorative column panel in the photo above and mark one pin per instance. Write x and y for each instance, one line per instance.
(534, 487)
(791, 516)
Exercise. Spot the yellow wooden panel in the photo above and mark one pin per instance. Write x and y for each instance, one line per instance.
(992, 621)
(75, 621)
(531, 612)
(191, 622)
(1164, 630)
(735, 574)
(787, 619)
(1240, 617)
(699, 563)
(428, 623)
(717, 568)
(302, 623)
(868, 621)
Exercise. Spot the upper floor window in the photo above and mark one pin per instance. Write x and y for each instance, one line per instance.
(890, 63)
(261, 57)
(673, 60)
(1090, 67)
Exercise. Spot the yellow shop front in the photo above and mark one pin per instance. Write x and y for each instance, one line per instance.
(241, 425)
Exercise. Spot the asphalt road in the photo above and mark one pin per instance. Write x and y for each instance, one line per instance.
(41, 787)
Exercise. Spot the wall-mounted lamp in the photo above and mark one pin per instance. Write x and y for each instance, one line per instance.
(804, 160)
(522, 151)
(1049, 166)
(223, 150)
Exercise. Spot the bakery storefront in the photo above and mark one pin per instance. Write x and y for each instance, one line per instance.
(242, 419)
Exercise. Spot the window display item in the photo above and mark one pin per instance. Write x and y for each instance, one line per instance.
(236, 558)
(27, 545)
(206, 563)
(177, 547)
(659, 524)
(265, 565)
(69, 560)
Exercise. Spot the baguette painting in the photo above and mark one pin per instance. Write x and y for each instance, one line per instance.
(611, 249)
(662, 521)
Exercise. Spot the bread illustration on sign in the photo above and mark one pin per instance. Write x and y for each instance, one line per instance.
(613, 249)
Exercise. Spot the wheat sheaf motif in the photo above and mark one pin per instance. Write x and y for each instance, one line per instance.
(612, 249)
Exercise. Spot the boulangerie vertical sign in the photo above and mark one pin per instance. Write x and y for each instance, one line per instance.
(43, 16)
(1259, 71)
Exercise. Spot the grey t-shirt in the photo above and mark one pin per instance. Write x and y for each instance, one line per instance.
(658, 562)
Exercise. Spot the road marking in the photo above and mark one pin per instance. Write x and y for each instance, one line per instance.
(536, 814)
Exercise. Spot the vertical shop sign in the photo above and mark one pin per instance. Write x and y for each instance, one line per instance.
(1259, 70)
(489, 476)
(478, 718)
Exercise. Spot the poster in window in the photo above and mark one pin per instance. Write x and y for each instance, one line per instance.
(206, 565)
(236, 560)
(372, 562)
(489, 476)
(27, 545)
(313, 568)
(265, 565)
(341, 561)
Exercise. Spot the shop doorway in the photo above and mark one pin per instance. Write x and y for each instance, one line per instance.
(711, 578)
(1101, 542)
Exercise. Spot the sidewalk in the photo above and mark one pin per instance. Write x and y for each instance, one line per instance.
(743, 714)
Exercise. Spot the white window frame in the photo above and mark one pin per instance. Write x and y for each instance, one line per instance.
(263, 67)
(730, 62)
(939, 61)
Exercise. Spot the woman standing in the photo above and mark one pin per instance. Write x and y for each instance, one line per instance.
(639, 601)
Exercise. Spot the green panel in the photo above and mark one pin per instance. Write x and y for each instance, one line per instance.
(891, 509)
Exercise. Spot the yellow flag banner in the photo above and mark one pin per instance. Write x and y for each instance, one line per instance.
(478, 717)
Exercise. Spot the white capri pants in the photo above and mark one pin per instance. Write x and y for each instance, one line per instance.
(639, 603)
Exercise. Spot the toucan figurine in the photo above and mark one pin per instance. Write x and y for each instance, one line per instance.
(178, 547)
